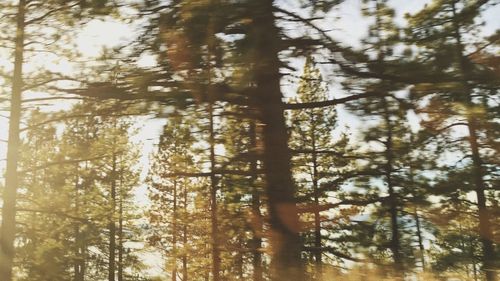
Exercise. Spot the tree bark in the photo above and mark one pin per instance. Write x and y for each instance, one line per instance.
(8, 229)
(174, 234)
(112, 225)
(184, 236)
(485, 229)
(420, 238)
(120, 229)
(79, 258)
(395, 244)
(213, 201)
(256, 242)
(317, 220)
(283, 214)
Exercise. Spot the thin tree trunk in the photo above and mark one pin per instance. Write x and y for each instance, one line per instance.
(474, 265)
(120, 229)
(317, 220)
(485, 229)
(395, 245)
(112, 225)
(184, 237)
(420, 238)
(213, 201)
(79, 258)
(283, 214)
(8, 229)
(256, 242)
(174, 234)
(240, 257)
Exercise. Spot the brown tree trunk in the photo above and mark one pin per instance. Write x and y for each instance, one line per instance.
(283, 214)
(120, 229)
(256, 242)
(79, 254)
(213, 201)
(490, 265)
(184, 237)
(174, 234)
(8, 229)
(420, 238)
(395, 244)
(317, 219)
(112, 225)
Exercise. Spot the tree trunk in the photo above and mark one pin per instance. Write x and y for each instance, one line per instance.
(112, 225)
(174, 234)
(317, 220)
(256, 242)
(485, 229)
(283, 214)
(420, 238)
(393, 198)
(79, 258)
(8, 229)
(120, 229)
(213, 201)
(184, 237)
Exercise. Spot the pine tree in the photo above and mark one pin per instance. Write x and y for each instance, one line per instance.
(316, 157)
(457, 96)
(28, 14)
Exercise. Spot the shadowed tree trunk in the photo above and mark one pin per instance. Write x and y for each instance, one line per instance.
(256, 242)
(8, 229)
(283, 214)
(213, 200)
(120, 229)
(79, 252)
(395, 244)
(485, 228)
(184, 236)
(112, 225)
(174, 234)
(317, 219)
(420, 238)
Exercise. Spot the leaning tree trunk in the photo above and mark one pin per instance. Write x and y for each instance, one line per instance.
(283, 214)
(8, 229)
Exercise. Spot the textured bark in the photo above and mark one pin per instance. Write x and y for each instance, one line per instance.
(8, 229)
(283, 214)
